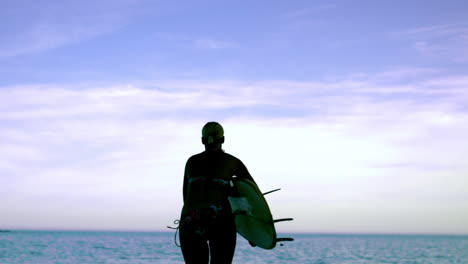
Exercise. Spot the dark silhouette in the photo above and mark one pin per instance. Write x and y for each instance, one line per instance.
(207, 228)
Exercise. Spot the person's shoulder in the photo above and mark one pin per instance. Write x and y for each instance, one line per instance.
(195, 157)
(232, 157)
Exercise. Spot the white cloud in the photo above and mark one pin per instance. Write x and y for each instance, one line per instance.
(360, 143)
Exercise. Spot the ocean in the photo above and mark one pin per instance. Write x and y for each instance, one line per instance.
(60, 247)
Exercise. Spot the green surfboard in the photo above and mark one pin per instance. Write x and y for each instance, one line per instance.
(252, 215)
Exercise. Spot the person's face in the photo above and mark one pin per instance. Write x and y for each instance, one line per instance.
(213, 147)
(213, 142)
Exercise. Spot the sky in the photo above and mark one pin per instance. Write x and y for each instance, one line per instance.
(358, 110)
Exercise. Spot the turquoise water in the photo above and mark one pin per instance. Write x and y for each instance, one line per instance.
(43, 247)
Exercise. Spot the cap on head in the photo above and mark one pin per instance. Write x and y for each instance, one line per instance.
(212, 133)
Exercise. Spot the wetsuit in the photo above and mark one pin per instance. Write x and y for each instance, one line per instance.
(207, 224)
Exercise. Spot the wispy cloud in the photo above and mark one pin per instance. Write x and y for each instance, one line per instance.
(106, 115)
(305, 18)
(204, 43)
(434, 31)
(449, 41)
(42, 37)
(116, 143)
(213, 44)
(60, 25)
(197, 42)
(307, 12)
(416, 87)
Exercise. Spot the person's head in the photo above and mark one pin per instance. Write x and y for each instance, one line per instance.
(212, 136)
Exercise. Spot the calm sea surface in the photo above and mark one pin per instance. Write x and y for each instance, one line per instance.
(43, 247)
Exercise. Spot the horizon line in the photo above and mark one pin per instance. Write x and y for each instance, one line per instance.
(8, 230)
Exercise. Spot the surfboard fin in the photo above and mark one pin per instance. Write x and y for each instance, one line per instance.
(280, 239)
(275, 190)
(282, 220)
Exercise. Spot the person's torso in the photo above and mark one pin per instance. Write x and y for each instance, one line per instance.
(208, 180)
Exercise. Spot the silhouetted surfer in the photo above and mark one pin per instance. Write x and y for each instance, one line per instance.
(207, 228)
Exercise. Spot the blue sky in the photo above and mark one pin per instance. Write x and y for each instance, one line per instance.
(357, 109)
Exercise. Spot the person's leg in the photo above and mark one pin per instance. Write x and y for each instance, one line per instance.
(223, 243)
(194, 247)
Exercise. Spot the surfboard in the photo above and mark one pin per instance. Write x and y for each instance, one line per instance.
(251, 214)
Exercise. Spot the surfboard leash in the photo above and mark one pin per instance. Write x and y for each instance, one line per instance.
(176, 222)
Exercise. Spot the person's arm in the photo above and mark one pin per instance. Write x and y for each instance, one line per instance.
(186, 176)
